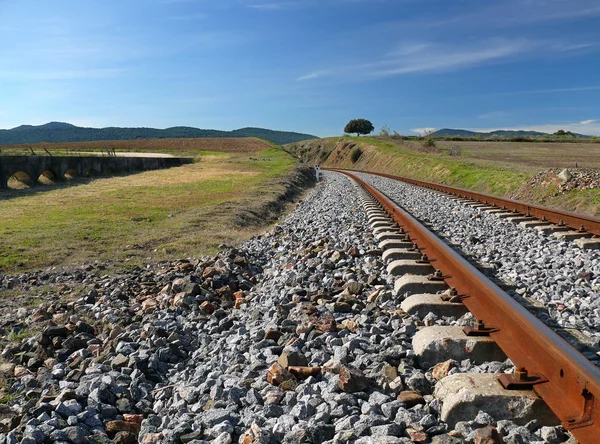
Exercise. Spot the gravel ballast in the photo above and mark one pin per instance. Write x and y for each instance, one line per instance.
(558, 281)
(294, 336)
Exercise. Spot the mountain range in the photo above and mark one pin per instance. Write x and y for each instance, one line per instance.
(507, 134)
(57, 132)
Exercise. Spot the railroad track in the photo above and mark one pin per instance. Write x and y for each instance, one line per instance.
(562, 224)
(545, 363)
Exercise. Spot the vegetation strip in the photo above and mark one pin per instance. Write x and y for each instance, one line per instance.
(569, 382)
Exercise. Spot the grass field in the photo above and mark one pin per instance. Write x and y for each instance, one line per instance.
(155, 215)
(499, 168)
(530, 156)
(179, 147)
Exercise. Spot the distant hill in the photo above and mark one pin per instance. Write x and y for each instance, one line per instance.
(57, 132)
(507, 134)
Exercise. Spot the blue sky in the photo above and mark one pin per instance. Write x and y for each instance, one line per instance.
(306, 66)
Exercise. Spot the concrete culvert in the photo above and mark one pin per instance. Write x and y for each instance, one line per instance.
(70, 174)
(47, 178)
(19, 181)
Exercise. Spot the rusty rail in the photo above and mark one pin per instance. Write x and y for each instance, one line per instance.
(576, 221)
(569, 383)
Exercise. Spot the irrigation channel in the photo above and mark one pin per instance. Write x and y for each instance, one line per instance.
(549, 329)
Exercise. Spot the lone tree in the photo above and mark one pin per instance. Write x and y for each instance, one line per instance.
(359, 126)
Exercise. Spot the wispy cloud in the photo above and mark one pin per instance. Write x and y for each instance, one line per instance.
(430, 57)
(408, 49)
(550, 91)
(312, 75)
(587, 122)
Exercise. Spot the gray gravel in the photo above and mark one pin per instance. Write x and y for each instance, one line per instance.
(190, 351)
(557, 279)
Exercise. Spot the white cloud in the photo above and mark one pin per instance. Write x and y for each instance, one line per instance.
(587, 122)
(312, 75)
(422, 131)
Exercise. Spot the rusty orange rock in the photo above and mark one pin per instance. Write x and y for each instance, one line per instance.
(186, 266)
(208, 272)
(326, 323)
(488, 435)
(277, 374)
(273, 334)
(301, 372)
(152, 438)
(440, 371)
(352, 380)
(350, 325)
(207, 307)
(410, 398)
(417, 436)
(117, 426)
(137, 419)
(149, 305)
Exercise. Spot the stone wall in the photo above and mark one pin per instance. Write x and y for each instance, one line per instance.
(91, 166)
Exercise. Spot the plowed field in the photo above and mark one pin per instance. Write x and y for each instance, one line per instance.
(174, 146)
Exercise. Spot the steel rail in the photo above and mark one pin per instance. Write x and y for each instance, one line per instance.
(571, 382)
(574, 220)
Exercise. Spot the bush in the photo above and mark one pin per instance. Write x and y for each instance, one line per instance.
(429, 142)
(355, 154)
(454, 150)
(384, 131)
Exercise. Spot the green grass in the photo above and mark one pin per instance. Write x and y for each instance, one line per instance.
(18, 337)
(9, 397)
(162, 214)
(438, 167)
(499, 168)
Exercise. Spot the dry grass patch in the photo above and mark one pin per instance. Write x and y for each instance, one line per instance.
(530, 156)
(154, 215)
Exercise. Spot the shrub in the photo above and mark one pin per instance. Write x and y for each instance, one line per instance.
(454, 150)
(355, 154)
(384, 131)
(429, 142)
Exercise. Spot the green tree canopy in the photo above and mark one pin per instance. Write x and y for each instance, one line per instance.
(359, 126)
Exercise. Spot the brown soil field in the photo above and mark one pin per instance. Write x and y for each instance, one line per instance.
(174, 146)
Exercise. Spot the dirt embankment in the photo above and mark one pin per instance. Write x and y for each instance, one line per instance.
(264, 207)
